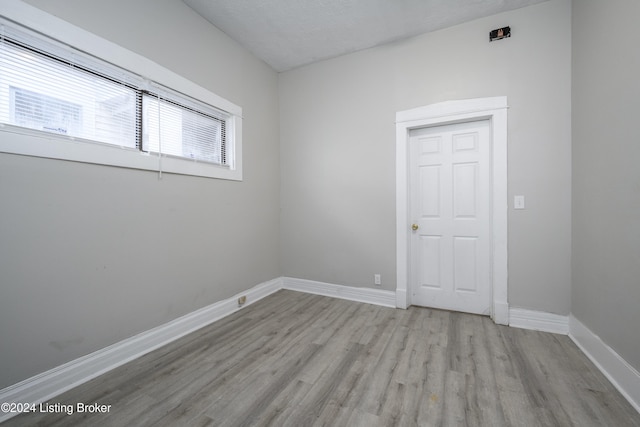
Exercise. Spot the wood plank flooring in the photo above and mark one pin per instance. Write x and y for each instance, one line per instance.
(295, 359)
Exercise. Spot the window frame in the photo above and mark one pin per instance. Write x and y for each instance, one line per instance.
(24, 141)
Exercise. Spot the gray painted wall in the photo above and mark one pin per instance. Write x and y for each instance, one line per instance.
(606, 174)
(338, 148)
(91, 255)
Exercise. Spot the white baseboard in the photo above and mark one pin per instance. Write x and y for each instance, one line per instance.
(622, 375)
(368, 295)
(538, 321)
(51, 383)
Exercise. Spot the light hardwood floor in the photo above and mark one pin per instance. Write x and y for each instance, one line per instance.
(296, 359)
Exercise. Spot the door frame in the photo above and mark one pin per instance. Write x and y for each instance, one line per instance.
(450, 112)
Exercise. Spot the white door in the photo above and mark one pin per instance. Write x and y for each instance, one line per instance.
(450, 201)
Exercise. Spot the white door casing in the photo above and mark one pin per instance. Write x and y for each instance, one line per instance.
(494, 110)
(449, 201)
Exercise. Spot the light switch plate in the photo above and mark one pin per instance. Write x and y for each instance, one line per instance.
(518, 202)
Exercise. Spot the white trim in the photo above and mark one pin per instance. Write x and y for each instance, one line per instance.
(366, 295)
(501, 311)
(51, 383)
(442, 111)
(622, 375)
(538, 321)
(27, 142)
(401, 299)
(66, 148)
(494, 109)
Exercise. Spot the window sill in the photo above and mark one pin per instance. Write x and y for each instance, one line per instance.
(15, 140)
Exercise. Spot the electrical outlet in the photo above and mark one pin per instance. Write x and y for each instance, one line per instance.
(242, 300)
(376, 279)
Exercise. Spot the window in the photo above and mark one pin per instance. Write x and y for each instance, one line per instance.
(180, 131)
(38, 111)
(57, 101)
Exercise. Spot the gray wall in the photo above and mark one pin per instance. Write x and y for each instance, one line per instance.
(606, 173)
(338, 148)
(91, 255)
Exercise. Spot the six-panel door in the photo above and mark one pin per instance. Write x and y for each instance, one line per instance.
(450, 207)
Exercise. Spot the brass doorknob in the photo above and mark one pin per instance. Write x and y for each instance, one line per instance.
(414, 227)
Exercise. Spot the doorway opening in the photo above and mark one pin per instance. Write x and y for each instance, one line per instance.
(494, 110)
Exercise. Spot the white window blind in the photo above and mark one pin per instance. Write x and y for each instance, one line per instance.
(176, 126)
(51, 87)
(46, 87)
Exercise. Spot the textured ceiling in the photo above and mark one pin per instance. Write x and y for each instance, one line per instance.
(289, 33)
